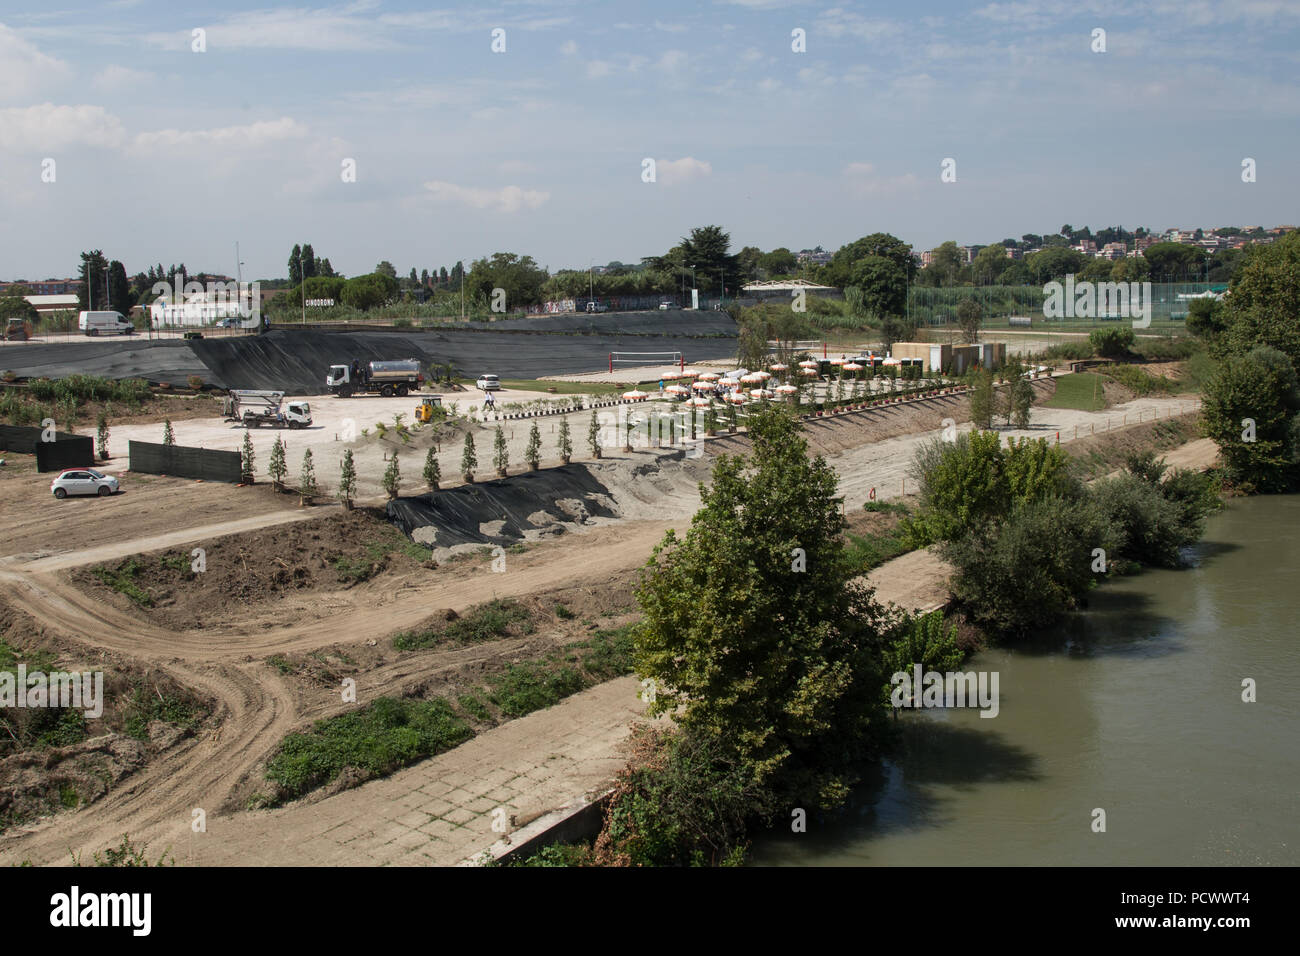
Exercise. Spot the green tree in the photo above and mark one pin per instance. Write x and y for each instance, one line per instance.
(468, 458)
(1263, 306)
(309, 268)
(92, 290)
(969, 318)
(990, 262)
(295, 265)
(368, 291)
(1250, 409)
(386, 268)
(533, 453)
(17, 307)
(169, 437)
(347, 479)
(119, 289)
(277, 468)
(432, 472)
(593, 435)
(392, 479)
(565, 441)
(1206, 319)
(307, 486)
(101, 436)
(758, 635)
(981, 399)
(1020, 400)
(246, 460)
(878, 245)
(883, 283)
(500, 453)
(1111, 342)
(1022, 574)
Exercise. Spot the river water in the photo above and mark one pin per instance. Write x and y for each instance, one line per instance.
(1134, 707)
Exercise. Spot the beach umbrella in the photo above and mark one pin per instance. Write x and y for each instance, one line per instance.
(753, 378)
(786, 389)
(808, 371)
(704, 386)
(736, 398)
(760, 393)
(636, 395)
(807, 363)
(700, 402)
(709, 376)
(852, 367)
(778, 367)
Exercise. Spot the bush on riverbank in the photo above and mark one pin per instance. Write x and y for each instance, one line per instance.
(1027, 540)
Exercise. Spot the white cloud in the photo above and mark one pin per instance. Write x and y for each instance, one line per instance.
(672, 172)
(249, 137)
(569, 48)
(598, 68)
(863, 181)
(23, 68)
(114, 78)
(671, 61)
(48, 127)
(506, 199)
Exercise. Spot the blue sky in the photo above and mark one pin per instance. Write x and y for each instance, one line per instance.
(163, 153)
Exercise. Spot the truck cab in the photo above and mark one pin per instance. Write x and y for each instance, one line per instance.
(298, 414)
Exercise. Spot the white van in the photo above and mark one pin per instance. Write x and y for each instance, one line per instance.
(94, 323)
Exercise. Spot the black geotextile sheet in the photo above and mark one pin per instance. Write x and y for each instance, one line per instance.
(456, 514)
(295, 361)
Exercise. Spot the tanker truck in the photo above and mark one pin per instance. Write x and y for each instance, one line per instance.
(386, 378)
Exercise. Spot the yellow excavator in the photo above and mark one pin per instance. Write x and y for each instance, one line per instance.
(424, 411)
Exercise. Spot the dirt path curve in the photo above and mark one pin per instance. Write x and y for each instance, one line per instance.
(257, 709)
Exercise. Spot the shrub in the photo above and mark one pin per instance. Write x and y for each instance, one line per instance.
(1111, 342)
(392, 479)
(347, 478)
(1030, 569)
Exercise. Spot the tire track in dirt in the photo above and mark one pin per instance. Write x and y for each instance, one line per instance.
(253, 707)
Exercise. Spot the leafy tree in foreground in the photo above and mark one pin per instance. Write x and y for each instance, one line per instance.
(760, 638)
(432, 471)
(468, 458)
(1251, 411)
(392, 479)
(533, 453)
(565, 441)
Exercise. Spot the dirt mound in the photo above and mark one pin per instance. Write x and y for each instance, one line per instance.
(336, 551)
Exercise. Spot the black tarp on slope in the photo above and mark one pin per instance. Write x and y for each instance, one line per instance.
(162, 360)
(456, 513)
(295, 361)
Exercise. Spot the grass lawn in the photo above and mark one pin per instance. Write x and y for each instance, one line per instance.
(1081, 391)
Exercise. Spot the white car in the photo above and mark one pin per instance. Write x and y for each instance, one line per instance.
(83, 481)
(665, 306)
(488, 383)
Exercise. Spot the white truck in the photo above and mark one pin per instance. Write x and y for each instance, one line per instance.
(386, 378)
(253, 408)
(96, 323)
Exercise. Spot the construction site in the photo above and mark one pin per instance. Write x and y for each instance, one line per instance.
(248, 620)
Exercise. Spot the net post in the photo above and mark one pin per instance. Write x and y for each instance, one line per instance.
(611, 363)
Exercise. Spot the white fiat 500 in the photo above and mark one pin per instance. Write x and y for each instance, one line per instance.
(83, 481)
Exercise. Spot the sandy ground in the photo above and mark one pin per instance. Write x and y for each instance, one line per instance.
(258, 707)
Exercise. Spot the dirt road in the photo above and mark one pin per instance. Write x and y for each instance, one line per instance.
(257, 707)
